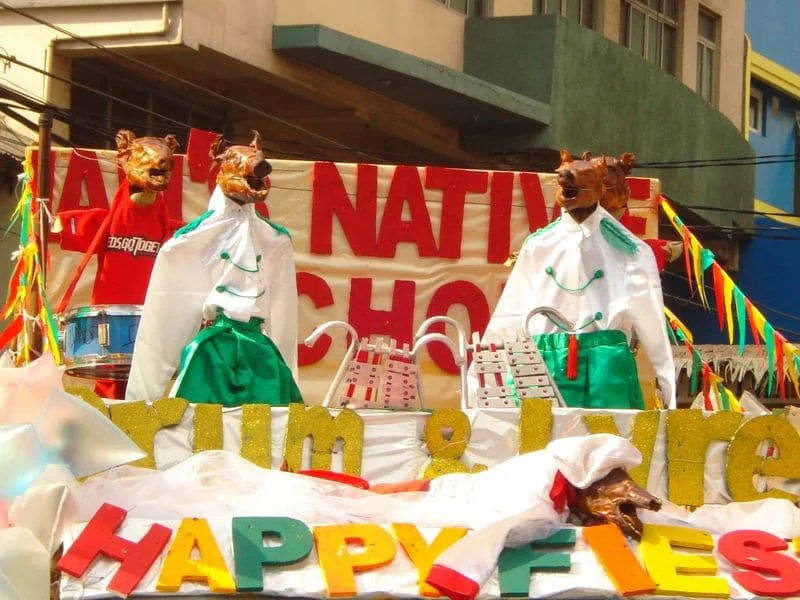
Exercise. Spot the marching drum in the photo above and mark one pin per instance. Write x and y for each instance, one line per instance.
(98, 340)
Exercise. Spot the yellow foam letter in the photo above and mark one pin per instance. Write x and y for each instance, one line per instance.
(676, 574)
(339, 565)
(423, 555)
(210, 568)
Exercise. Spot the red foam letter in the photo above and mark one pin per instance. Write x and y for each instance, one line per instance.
(330, 198)
(320, 294)
(456, 292)
(534, 200)
(82, 168)
(405, 186)
(396, 322)
(499, 244)
(757, 551)
(454, 183)
(98, 538)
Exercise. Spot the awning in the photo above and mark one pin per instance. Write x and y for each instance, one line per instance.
(445, 93)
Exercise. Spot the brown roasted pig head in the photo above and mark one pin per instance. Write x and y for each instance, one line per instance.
(616, 192)
(243, 171)
(615, 499)
(580, 184)
(147, 163)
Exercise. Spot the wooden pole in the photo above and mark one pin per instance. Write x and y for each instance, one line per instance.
(36, 333)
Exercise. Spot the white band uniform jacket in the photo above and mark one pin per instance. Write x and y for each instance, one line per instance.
(571, 267)
(230, 260)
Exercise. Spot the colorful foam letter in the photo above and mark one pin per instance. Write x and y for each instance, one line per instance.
(757, 551)
(423, 555)
(209, 569)
(620, 564)
(515, 564)
(98, 538)
(250, 554)
(670, 570)
(339, 565)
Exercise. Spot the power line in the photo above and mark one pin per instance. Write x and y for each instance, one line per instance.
(689, 302)
(711, 289)
(186, 82)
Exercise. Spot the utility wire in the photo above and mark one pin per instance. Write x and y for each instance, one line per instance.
(711, 289)
(186, 82)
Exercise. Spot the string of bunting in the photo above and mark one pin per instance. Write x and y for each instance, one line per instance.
(26, 278)
(726, 399)
(732, 306)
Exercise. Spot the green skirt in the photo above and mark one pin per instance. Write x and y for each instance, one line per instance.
(607, 374)
(233, 363)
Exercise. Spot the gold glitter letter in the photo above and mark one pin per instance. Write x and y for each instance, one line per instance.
(688, 436)
(141, 421)
(447, 433)
(744, 462)
(535, 424)
(256, 438)
(645, 429)
(324, 430)
(207, 427)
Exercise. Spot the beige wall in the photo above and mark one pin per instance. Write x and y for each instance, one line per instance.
(730, 47)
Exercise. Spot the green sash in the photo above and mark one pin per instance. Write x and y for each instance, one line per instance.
(233, 363)
(607, 375)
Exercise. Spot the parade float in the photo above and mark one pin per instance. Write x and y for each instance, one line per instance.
(423, 460)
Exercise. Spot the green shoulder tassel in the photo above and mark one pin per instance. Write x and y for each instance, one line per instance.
(617, 237)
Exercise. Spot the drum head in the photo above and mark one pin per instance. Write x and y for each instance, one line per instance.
(122, 310)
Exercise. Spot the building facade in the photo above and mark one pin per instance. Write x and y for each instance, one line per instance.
(498, 84)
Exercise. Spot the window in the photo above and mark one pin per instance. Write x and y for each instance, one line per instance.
(580, 11)
(471, 8)
(756, 111)
(706, 55)
(99, 118)
(650, 28)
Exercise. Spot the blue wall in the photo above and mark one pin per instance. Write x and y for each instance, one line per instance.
(772, 26)
(769, 267)
(775, 182)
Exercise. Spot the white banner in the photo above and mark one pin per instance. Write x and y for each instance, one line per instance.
(381, 247)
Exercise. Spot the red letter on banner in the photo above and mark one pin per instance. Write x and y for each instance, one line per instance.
(98, 538)
(534, 200)
(454, 183)
(757, 551)
(468, 295)
(396, 322)
(83, 167)
(330, 198)
(499, 244)
(405, 186)
(320, 294)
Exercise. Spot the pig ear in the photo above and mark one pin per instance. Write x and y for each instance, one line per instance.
(600, 166)
(218, 149)
(172, 142)
(566, 157)
(256, 143)
(627, 161)
(586, 155)
(124, 141)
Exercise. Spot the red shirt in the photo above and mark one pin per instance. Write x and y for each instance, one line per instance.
(125, 257)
